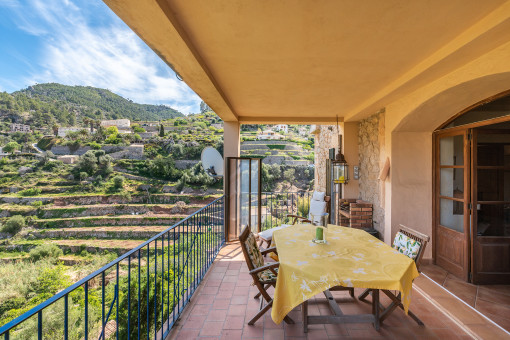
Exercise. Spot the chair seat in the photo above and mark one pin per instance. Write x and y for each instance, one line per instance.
(267, 276)
(267, 235)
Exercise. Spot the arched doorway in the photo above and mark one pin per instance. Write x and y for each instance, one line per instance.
(471, 191)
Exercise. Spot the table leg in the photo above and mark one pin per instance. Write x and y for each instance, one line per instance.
(375, 308)
(304, 310)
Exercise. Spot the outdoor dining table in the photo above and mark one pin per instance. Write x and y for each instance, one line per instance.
(350, 258)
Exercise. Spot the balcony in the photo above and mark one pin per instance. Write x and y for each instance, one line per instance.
(187, 283)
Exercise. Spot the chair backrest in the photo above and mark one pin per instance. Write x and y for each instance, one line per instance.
(417, 236)
(319, 206)
(250, 249)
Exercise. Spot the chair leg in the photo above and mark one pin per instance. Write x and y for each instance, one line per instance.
(351, 292)
(265, 288)
(363, 295)
(260, 313)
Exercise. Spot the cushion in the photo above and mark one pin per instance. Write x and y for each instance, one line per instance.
(253, 251)
(318, 196)
(406, 245)
(267, 275)
(268, 234)
(316, 208)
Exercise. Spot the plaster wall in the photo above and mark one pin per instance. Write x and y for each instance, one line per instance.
(409, 123)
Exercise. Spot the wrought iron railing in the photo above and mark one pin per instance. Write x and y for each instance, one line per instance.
(140, 294)
(277, 205)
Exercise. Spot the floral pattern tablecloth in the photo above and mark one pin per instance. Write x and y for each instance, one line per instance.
(351, 258)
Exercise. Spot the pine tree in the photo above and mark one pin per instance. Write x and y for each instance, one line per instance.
(161, 131)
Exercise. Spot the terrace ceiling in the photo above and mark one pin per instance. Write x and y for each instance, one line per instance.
(308, 61)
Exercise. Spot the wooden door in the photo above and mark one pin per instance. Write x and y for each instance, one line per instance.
(451, 202)
(490, 259)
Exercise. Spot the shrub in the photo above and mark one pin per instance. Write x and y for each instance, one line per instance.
(118, 182)
(30, 192)
(14, 225)
(36, 204)
(44, 251)
(83, 175)
(95, 145)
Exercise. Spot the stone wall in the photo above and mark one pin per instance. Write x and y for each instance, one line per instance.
(371, 158)
(326, 137)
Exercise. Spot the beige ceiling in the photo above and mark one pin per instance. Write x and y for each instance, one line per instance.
(298, 60)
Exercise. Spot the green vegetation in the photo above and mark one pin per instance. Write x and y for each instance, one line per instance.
(45, 251)
(14, 225)
(276, 146)
(53, 103)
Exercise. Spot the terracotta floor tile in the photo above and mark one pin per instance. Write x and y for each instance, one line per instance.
(231, 334)
(221, 304)
(188, 334)
(217, 315)
(200, 310)
(255, 331)
(436, 273)
(273, 334)
(236, 310)
(205, 299)
(194, 322)
(492, 295)
(234, 322)
(211, 328)
(463, 290)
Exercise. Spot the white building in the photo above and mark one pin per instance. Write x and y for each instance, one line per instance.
(282, 128)
(63, 131)
(20, 128)
(119, 123)
(268, 134)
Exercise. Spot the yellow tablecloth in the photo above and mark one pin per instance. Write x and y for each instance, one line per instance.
(352, 258)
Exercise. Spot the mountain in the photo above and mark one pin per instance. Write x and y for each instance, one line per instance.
(48, 104)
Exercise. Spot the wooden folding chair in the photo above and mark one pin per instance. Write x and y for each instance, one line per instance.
(267, 235)
(396, 299)
(264, 275)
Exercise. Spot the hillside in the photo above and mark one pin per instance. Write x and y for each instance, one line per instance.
(52, 103)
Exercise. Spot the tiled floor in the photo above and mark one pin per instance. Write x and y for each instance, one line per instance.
(491, 300)
(224, 303)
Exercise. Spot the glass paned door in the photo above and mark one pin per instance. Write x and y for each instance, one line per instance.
(490, 263)
(452, 222)
(243, 195)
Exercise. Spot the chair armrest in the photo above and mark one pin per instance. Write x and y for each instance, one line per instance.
(296, 217)
(271, 265)
(269, 250)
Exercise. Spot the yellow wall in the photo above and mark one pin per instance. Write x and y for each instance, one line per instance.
(410, 121)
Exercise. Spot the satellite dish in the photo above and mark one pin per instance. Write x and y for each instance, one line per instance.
(212, 162)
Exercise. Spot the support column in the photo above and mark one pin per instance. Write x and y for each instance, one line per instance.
(231, 148)
(351, 153)
(231, 139)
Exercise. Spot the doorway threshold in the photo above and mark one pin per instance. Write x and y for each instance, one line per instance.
(458, 301)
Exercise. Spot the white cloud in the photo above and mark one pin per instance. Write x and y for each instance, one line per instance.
(79, 51)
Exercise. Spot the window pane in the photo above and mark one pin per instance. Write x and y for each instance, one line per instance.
(452, 182)
(493, 220)
(451, 214)
(451, 150)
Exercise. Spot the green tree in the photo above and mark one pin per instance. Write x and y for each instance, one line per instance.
(11, 147)
(161, 130)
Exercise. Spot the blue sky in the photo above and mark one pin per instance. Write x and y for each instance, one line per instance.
(82, 42)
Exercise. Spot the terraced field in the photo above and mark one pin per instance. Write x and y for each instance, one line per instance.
(101, 224)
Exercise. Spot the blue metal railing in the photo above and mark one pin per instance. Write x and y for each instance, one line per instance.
(277, 205)
(146, 289)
